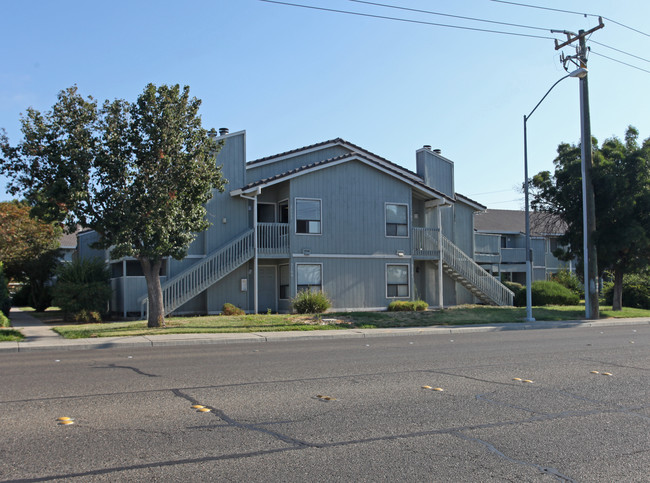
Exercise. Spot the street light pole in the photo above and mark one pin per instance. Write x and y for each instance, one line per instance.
(580, 73)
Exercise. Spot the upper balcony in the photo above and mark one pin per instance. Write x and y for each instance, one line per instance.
(425, 243)
(273, 239)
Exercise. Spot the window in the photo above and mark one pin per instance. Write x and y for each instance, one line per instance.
(284, 282)
(397, 220)
(308, 216)
(397, 281)
(309, 277)
(283, 211)
(553, 244)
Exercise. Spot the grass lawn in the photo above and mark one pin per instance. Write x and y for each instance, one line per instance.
(10, 335)
(461, 315)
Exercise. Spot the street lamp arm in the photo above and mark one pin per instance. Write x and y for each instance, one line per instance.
(547, 93)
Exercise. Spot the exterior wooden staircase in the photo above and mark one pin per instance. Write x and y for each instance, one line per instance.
(461, 268)
(197, 278)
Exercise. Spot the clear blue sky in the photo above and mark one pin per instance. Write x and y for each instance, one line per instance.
(292, 76)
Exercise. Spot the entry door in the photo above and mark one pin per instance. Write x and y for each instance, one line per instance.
(267, 295)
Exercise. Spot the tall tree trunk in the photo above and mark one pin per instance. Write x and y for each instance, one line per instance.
(156, 312)
(617, 302)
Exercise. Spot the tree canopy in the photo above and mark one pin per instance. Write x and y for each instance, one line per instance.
(138, 173)
(621, 180)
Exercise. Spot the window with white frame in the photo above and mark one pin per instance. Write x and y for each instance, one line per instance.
(397, 220)
(397, 281)
(308, 216)
(284, 282)
(309, 277)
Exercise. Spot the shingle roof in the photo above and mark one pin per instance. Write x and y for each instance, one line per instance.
(350, 156)
(395, 168)
(514, 221)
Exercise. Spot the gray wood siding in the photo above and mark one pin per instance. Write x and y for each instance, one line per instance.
(464, 228)
(222, 207)
(228, 290)
(353, 210)
(436, 171)
(353, 283)
(84, 241)
(272, 168)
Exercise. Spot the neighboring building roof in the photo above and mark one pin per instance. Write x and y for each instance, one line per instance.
(68, 241)
(514, 222)
(413, 181)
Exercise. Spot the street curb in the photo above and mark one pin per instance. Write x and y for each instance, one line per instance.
(257, 337)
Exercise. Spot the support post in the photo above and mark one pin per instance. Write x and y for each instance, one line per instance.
(440, 274)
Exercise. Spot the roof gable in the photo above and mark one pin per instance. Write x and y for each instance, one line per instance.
(389, 169)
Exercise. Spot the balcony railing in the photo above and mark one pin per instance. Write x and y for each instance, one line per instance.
(425, 242)
(273, 238)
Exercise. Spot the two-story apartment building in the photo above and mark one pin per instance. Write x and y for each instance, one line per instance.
(500, 244)
(330, 216)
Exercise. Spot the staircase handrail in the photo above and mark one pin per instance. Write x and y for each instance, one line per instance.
(474, 274)
(196, 278)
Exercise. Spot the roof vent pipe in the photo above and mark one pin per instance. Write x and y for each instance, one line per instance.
(437, 151)
(427, 146)
(223, 131)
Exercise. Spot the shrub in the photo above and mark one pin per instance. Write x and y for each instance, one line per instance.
(636, 292)
(83, 285)
(516, 288)
(310, 302)
(230, 309)
(86, 316)
(5, 300)
(548, 293)
(407, 306)
(569, 280)
(21, 297)
(4, 321)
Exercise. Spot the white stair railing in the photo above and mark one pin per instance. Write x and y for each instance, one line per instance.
(195, 279)
(467, 268)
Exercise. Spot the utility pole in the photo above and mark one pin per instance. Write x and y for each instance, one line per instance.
(588, 199)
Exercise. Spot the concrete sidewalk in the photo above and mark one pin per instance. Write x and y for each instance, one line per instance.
(33, 329)
(40, 337)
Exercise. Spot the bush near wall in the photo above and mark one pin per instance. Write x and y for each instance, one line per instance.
(83, 289)
(516, 288)
(636, 292)
(570, 280)
(310, 302)
(407, 306)
(230, 309)
(547, 293)
(5, 300)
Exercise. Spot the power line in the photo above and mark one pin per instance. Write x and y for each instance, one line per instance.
(572, 12)
(618, 50)
(620, 62)
(421, 22)
(452, 16)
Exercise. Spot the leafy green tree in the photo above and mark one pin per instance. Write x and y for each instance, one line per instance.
(621, 179)
(28, 250)
(139, 174)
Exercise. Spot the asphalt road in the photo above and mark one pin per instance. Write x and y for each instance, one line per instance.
(133, 419)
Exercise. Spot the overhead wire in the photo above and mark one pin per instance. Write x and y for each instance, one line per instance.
(460, 27)
(620, 62)
(518, 4)
(421, 22)
(618, 50)
(397, 7)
